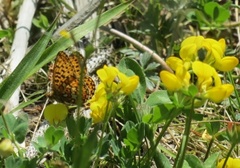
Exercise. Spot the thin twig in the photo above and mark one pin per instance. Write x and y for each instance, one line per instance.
(139, 45)
(39, 118)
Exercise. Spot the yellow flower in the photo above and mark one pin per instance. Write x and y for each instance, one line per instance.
(174, 82)
(170, 81)
(107, 75)
(202, 56)
(65, 33)
(98, 104)
(215, 49)
(206, 50)
(55, 113)
(204, 73)
(231, 163)
(209, 83)
(175, 62)
(98, 109)
(113, 85)
(116, 81)
(100, 91)
(127, 84)
(190, 46)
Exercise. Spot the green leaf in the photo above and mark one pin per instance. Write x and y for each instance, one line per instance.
(127, 64)
(193, 90)
(53, 135)
(19, 162)
(132, 136)
(202, 20)
(135, 136)
(8, 33)
(193, 161)
(218, 13)
(158, 98)
(152, 66)
(41, 22)
(31, 101)
(209, 9)
(161, 160)
(10, 121)
(159, 114)
(237, 116)
(84, 124)
(71, 126)
(147, 118)
(127, 126)
(129, 144)
(186, 165)
(79, 127)
(211, 161)
(213, 127)
(116, 149)
(20, 127)
(198, 117)
(144, 59)
(44, 21)
(41, 144)
(13, 162)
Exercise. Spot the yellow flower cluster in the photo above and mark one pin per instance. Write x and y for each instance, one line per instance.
(202, 56)
(114, 84)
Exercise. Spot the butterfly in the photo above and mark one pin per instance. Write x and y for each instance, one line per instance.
(65, 79)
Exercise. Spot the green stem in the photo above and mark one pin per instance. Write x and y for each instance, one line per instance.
(152, 150)
(235, 90)
(107, 117)
(209, 147)
(5, 123)
(134, 109)
(228, 155)
(11, 135)
(182, 151)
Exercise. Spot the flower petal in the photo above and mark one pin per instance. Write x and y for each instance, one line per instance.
(174, 62)
(98, 110)
(170, 81)
(128, 84)
(107, 74)
(219, 93)
(226, 63)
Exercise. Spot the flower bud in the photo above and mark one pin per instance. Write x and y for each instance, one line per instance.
(6, 148)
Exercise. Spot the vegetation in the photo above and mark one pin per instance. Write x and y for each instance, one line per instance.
(170, 100)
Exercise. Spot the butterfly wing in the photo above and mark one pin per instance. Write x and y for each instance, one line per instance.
(64, 81)
(88, 88)
(66, 76)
